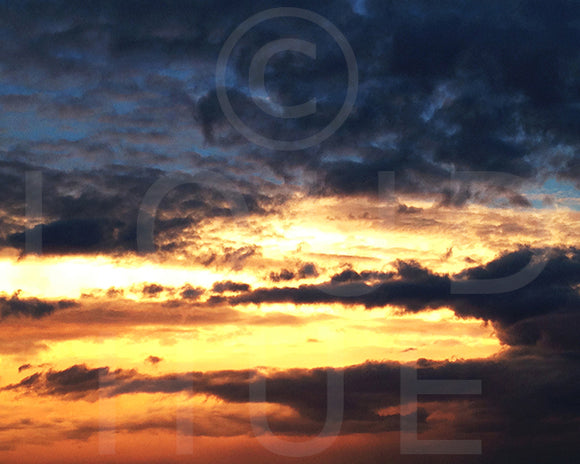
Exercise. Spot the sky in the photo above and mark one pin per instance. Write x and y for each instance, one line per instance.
(316, 232)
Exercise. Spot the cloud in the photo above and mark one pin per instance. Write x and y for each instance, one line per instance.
(105, 98)
(67, 236)
(76, 382)
(284, 388)
(284, 274)
(512, 383)
(303, 271)
(552, 295)
(30, 307)
(307, 270)
(350, 275)
(542, 313)
(96, 212)
(484, 95)
(92, 316)
(404, 209)
(229, 286)
(152, 289)
(24, 367)
(190, 293)
(154, 360)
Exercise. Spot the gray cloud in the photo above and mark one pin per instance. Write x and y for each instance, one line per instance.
(533, 314)
(443, 88)
(528, 397)
(34, 308)
(229, 286)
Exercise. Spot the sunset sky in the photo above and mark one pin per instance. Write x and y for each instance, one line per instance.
(193, 272)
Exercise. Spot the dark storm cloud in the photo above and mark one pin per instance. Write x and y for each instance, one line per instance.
(553, 295)
(444, 87)
(528, 399)
(83, 212)
(558, 331)
(77, 381)
(368, 388)
(471, 85)
(70, 236)
(97, 212)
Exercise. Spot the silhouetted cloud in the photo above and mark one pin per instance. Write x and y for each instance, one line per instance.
(229, 286)
(24, 367)
(153, 360)
(512, 383)
(303, 271)
(415, 288)
(190, 293)
(307, 270)
(152, 289)
(404, 209)
(30, 307)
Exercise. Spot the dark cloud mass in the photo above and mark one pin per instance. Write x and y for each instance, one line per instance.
(97, 212)
(34, 308)
(521, 315)
(539, 398)
(465, 101)
(453, 86)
